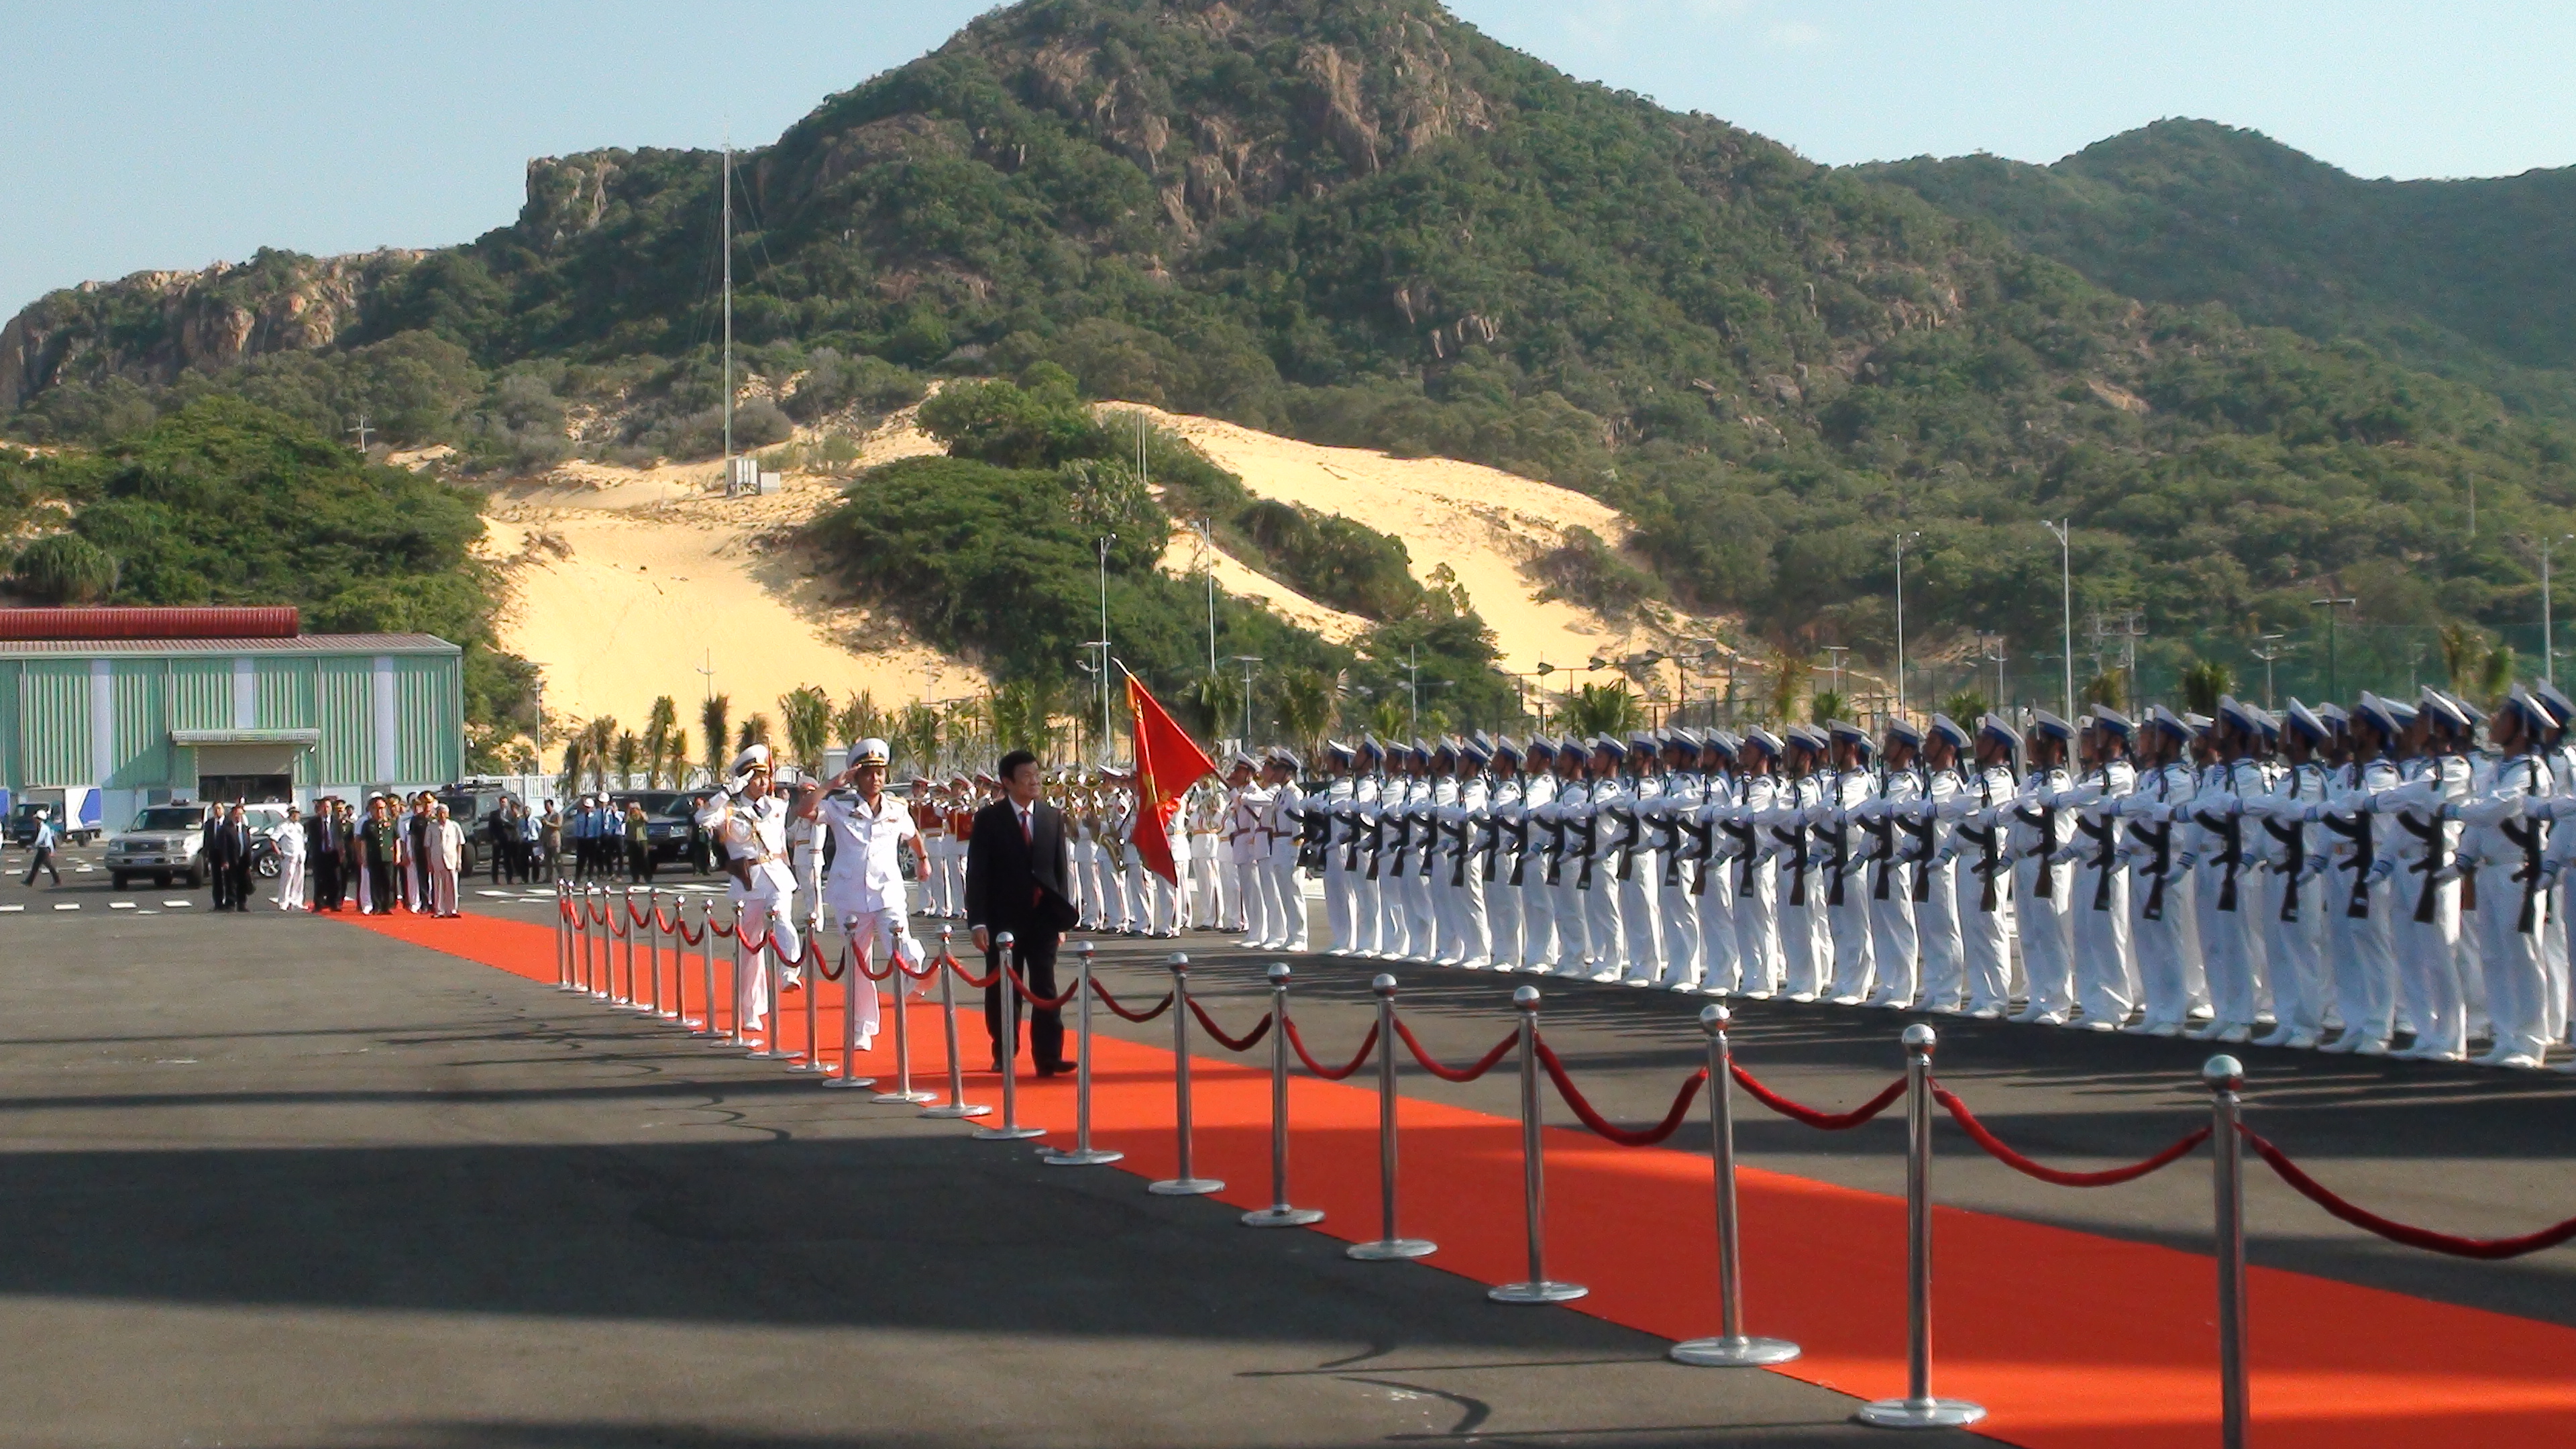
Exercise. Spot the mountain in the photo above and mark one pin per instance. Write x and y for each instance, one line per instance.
(2465, 278)
(1364, 222)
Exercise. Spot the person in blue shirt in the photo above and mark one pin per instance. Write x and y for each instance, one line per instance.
(44, 851)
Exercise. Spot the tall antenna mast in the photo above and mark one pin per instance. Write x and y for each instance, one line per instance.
(727, 191)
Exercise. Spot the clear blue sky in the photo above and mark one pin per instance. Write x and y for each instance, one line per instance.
(152, 133)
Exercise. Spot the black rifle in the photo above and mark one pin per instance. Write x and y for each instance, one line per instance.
(2045, 822)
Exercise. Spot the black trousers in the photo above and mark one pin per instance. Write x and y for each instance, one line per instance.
(328, 891)
(1033, 956)
(238, 883)
(380, 885)
(43, 861)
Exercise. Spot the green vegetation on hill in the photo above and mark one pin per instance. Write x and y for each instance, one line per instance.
(2465, 278)
(993, 552)
(1361, 221)
(224, 502)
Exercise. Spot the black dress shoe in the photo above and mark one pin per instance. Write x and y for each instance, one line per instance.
(1056, 1069)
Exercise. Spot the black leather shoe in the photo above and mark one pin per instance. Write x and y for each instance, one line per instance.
(1056, 1069)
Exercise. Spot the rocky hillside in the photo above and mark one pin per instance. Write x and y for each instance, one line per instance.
(1363, 222)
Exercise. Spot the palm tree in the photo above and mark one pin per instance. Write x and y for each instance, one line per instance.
(2203, 681)
(658, 724)
(2464, 650)
(1387, 720)
(1966, 707)
(1306, 700)
(603, 738)
(712, 716)
(1792, 675)
(754, 731)
(808, 713)
(1214, 702)
(859, 719)
(1603, 709)
(679, 758)
(1825, 705)
(916, 736)
(573, 762)
(628, 749)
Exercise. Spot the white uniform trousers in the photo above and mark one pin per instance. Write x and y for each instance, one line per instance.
(1447, 943)
(1502, 915)
(1339, 917)
(1475, 924)
(1678, 913)
(1288, 898)
(1640, 917)
(442, 888)
(1248, 889)
(2553, 945)
(1368, 921)
(1601, 925)
(1573, 927)
(2161, 945)
(1986, 939)
(2364, 962)
(1207, 884)
(2047, 932)
(290, 881)
(2231, 942)
(2106, 971)
(1806, 947)
(768, 922)
(2514, 960)
(1538, 913)
(875, 938)
(1713, 908)
(2428, 966)
(1944, 984)
(1760, 960)
(1848, 925)
(1893, 936)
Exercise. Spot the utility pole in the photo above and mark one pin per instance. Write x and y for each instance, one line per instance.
(1993, 652)
(1106, 725)
(2066, 582)
(708, 668)
(1902, 540)
(2268, 650)
(1413, 687)
(1207, 566)
(1247, 661)
(2334, 689)
(362, 430)
(1834, 660)
(726, 227)
(2548, 644)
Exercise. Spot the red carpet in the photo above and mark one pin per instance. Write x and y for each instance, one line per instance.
(2069, 1338)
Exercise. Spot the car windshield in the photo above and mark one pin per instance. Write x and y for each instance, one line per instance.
(461, 807)
(167, 817)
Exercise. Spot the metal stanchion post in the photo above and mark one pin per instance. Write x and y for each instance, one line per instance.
(1918, 1409)
(653, 949)
(1009, 1128)
(1082, 1154)
(567, 934)
(1185, 1182)
(773, 970)
(956, 1105)
(734, 1036)
(854, 963)
(624, 909)
(706, 1026)
(2225, 1077)
(1731, 1348)
(1538, 1287)
(901, 985)
(1279, 1214)
(813, 1064)
(1389, 1244)
(593, 950)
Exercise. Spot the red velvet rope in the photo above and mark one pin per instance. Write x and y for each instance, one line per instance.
(1243, 1043)
(680, 928)
(1483, 1064)
(823, 964)
(634, 917)
(973, 981)
(2108, 1177)
(1048, 1003)
(1822, 1121)
(1604, 1126)
(722, 930)
(1331, 1074)
(2485, 1249)
(597, 913)
(929, 968)
(885, 975)
(1107, 1000)
(671, 926)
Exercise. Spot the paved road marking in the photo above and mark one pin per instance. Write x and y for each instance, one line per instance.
(178, 903)
(120, 905)
(12, 908)
(68, 906)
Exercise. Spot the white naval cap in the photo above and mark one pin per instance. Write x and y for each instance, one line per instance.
(753, 757)
(871, 751)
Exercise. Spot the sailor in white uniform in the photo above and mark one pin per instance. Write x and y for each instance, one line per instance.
(748, 820)
(864, 891)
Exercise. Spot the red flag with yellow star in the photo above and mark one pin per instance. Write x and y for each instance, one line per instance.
(1168, 763)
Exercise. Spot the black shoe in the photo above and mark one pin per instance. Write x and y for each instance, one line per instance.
(1056, 1069)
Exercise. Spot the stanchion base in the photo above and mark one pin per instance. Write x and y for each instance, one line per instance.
(1919, 1413)
(809, 1068)
(568, 986)
(763, 1054)
(1387, 1250)
(961, 1109)
(1006, 1133)
(1185, 1187)
(850, 1082)
(1732, 1352)
(1546, 1290)
(892, 1098)
(1282, 1216)
(1085, 1157)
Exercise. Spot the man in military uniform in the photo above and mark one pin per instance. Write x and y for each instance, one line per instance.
(2042, 881)
(1284, 827)
(750, 821)
(2163, 926)
(1667, 818)
(2232, 936)
(1984, 846)
(1933, 822)
(1806, 942)
(1887, 829)
(2106, 973)
(2507, 843)
(1848, 785)
(1746, 839)
(1506, 828)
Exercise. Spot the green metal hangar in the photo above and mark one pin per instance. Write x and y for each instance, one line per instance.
(106, 710)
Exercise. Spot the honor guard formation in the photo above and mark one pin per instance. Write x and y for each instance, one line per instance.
(2381, 880)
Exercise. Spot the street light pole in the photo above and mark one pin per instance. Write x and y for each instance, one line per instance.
(1901, 540)
(1207, 565)
(1834, 660)
(1247, 661)
(1106, 539)
(2066, 583)
(2334, 689)
(2267, 652)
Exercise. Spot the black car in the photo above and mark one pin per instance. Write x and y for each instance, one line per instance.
(471, 806)
(670, 824)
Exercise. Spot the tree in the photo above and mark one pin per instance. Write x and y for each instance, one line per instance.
(679, 758)
(1792, 677)
(602, 738)
(807, 712)
(859, 718)
(629, 749)
(1966, 707)
(2203, 682)
(658, 724)
(916, 737)
(1825, 705)
(754, 731)
(1306, 703)
(1214, 702)
(712, 719)
(64, 568)
(1603, 709)
(2464, 653)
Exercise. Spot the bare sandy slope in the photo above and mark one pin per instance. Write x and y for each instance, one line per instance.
(625, 582)
(1483, 523)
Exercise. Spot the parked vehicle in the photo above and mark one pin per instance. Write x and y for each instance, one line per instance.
(670, 824)
(73, 809)
(470, 806)
(168, 843)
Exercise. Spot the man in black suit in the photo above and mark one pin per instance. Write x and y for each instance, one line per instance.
(1018, 881)
(323, 845)
(228, 853)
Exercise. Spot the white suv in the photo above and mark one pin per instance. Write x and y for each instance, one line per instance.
(167, 841)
